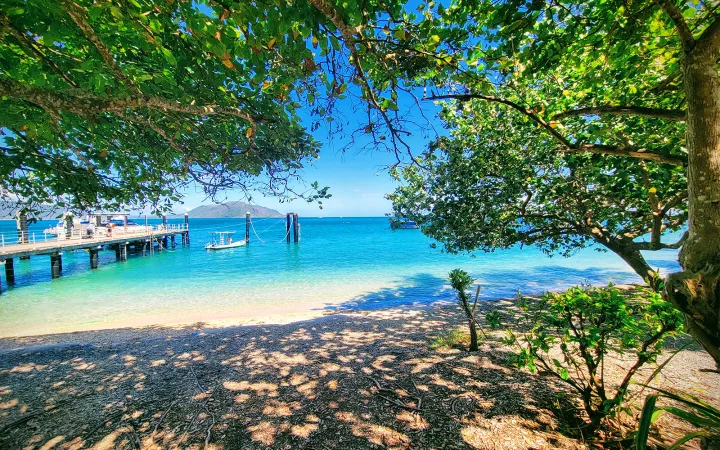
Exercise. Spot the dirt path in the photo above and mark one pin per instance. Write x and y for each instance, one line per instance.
(356, 380)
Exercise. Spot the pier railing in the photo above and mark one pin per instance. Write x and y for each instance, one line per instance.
(84, 235)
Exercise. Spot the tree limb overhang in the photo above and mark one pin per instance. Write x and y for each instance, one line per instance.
(570, 147)
(677, 115)
(85, 104)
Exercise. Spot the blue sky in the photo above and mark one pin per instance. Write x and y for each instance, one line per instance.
(358, 183)
(357, 176)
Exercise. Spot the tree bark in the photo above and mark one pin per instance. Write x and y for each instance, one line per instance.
(471, 324)
(696, 291)
(629, 251)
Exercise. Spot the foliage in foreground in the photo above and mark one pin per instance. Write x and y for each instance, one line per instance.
(461, 281)
(691, 410)
(571, 334)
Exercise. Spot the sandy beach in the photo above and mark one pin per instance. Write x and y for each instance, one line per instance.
(362, 379)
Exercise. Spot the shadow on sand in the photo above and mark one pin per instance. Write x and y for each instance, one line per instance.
(363, 380)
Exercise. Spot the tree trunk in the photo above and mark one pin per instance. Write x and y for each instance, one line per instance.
(471, 325)
(632, 256)
(696, 291)
(473, 336)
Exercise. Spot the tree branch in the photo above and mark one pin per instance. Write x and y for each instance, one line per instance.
(76, 13)
(624, 151)
(711, 35)
(669, 114)
(348, 35)
(631, 152)
(82, 103)
(681, 26)
(539, 120)
(31, 49)
(673, 246)
(673, 202)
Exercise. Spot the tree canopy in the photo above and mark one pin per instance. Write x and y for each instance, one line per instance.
(496, 182)
(125, 102)
(634, 80)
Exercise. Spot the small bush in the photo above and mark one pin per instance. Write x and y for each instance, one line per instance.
(571, 333)
(493, 319)
(451, 339)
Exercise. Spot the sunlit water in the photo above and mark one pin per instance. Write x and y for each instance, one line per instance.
(341, 263)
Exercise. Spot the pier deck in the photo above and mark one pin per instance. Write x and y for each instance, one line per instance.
(119, 238)
(62, 245)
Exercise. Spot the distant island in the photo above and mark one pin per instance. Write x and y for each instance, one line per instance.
(232, 210)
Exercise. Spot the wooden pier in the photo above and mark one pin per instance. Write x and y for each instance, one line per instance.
(120, 239)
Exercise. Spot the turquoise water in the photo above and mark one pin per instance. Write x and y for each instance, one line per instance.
(341, 263)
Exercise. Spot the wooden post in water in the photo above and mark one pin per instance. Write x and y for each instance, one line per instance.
(288, 219)
(117, 252)
(55, 265)
(144, 249)
(296, 228)
(10, 271)
(247, 227)
(172, 241)
(123, 251)
(187, 229)
(165, 238)
(22, 230)
(94, 258)
(68, 226)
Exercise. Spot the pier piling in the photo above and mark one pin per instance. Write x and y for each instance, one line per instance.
(22, 229)
(296, 228)
(10, 271)
(172, 241)
(94, 258)
(117, 252)
(288, 219)
(123, 251)
(68, 226)
(164, 222)
(247, 227)
(56, 264)
(187, 228)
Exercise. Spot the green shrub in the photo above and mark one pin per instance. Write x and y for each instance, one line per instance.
(493, 319)
(570, 334)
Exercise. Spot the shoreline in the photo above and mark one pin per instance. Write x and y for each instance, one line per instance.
(103, 336)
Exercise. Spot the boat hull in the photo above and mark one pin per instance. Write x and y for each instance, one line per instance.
(224, 246)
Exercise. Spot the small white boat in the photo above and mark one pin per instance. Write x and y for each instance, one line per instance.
(222, 240)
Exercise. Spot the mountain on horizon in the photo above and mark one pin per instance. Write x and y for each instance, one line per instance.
(232, 210)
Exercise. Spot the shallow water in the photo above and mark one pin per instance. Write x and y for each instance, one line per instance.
(341, 263)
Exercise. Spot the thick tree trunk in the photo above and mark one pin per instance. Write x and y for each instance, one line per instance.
(696, 291)
(632, 256)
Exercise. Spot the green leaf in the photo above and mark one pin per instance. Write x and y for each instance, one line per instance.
(646, 417)
(169, 57)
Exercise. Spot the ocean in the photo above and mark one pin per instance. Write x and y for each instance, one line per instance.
(340, 263)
